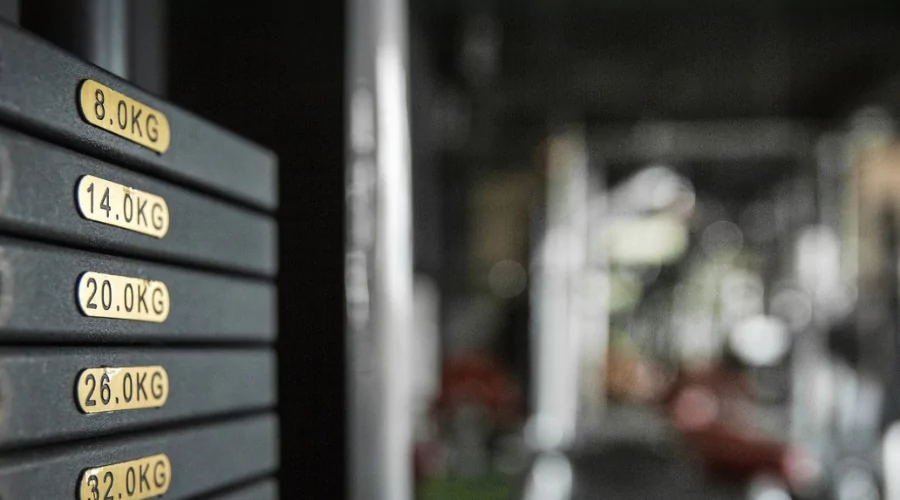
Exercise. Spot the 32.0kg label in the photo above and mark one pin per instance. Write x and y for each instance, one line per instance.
(139, 479)
(100, 390)
(122, 297)
(115, 112)
(106, 202)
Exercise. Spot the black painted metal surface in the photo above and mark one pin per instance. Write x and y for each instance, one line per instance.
(38, 93)
(266, 490)
(38, 300)
(216, 260)
(37, 198)
(37, 389)
(203, 459)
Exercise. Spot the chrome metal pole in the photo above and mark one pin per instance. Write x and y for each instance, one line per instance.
(122, 37)
(379, 253)
(106, 35)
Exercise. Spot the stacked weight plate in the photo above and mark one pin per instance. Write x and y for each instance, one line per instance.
(137, 304)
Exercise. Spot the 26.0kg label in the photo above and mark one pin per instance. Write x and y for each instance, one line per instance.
(106, 202)
(100, 390)
(122, 297)
(139, 479)
(115, 112)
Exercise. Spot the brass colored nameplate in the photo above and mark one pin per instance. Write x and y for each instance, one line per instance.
(121, 297)
(117, 113)
(100, 390)
(146, 477)
(106, 202)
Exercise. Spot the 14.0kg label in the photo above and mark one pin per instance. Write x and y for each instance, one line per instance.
(110, 203)
(121, 297)
(115, 112)
(146, 477)
(100, 390)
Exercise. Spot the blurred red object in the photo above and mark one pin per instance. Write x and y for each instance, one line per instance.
(482, 381)
(710, 408)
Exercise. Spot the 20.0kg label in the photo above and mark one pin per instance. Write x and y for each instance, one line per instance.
(115, 112)
(110, 203)
(100, 390)
(139, 479)
(121, 297)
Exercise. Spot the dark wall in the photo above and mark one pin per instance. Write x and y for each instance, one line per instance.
(274, 72)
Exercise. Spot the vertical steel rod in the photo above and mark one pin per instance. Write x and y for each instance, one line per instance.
(379, 253)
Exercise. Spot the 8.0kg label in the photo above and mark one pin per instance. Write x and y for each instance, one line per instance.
(115, 112)
(110, 203)
(139, 479)
(122, 297)
(100, 390)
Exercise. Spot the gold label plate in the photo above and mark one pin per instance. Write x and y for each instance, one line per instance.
(121, 297)
(110, 203)
(115, 112)
(146, 477)
(100, 390)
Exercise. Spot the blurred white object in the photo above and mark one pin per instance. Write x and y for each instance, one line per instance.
(767, 488)
(818, 271)
(760, 340)
(854, 480)
(648, 240)
(558, 269)
(653, 189)
(550, 479)
(890, 450)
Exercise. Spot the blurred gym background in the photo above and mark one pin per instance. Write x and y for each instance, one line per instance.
(575, 249)
(655, 249)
